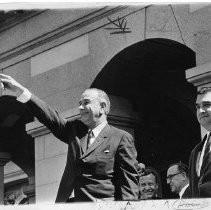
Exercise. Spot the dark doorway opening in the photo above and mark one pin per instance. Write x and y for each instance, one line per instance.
(151, 74)
(15, 140)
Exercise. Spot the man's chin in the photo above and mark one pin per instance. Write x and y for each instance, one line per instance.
(148, 196)
(172, 190)
(83, 120)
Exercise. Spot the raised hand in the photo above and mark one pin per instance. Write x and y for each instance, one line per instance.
(7, 82)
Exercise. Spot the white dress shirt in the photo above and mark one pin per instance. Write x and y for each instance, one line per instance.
(25, 96)
(96, 131)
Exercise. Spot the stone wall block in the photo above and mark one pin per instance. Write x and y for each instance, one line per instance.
(49, 170)
(104, 45)
(39, 148)
(53, 146)
(47, 193)
(160, 18)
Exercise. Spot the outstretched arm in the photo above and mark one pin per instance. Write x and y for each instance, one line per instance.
(44, 113)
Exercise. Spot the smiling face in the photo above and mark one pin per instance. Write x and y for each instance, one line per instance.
(92, 108)
(203, 106)
(148, 186)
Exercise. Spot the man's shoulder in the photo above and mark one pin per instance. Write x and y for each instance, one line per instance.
(197, 147)
(119, 131)
(187, 193)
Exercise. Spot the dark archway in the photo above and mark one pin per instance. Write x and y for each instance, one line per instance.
(13, 136)
(151, 74)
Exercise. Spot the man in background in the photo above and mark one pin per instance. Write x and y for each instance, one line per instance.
(177, 178)
(149, 184)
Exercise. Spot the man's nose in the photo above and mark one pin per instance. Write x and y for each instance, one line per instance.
(201, 109)
(81, 106)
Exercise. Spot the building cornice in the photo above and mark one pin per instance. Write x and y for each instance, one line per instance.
(199, 75)
(65, 33)
(16, 19)
(17, 175)
(57, 34)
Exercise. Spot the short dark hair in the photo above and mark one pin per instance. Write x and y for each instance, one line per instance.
(203, 90)
(182, 167)
(150, 170)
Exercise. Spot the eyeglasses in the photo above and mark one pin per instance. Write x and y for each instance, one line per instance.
(170, 177)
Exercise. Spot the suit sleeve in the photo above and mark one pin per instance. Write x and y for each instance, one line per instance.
(127, 173)
(193, 188)
(50, 118)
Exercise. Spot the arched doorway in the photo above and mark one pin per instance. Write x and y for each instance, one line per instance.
(151, 75)
(15, 141)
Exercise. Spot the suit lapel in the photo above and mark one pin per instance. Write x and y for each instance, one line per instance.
(103, 135)
(206, 162)
(198, 150)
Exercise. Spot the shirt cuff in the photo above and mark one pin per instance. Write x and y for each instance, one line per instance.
(24, 97)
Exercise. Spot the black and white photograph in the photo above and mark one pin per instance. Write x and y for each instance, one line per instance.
(105, 105)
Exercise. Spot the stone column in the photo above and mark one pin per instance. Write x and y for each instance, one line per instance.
(50, 157)
(200, 76)
(4, 158)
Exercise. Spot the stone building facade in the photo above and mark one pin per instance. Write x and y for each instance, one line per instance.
(149, 58)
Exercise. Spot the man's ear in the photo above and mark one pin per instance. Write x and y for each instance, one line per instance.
(184, 175)
(156, 186)
(103, 106)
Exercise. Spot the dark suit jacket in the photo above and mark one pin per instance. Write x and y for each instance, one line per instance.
(200, 187)
(107, 170)
(187, 193)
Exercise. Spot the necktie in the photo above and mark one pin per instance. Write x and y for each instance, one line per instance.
(207, 148)
(89, 138)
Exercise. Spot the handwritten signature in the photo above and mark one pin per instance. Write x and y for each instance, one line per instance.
(188, 205)
(120, 26)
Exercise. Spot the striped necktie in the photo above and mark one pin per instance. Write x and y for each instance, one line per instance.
(89, 142)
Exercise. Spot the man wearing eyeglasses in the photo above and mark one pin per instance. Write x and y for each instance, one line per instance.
(177, 178)
(200, 159)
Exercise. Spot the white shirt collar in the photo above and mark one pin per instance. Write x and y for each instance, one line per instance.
(183, 190)
(99, 128)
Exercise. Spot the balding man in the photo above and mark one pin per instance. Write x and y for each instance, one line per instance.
(101, 160)
(177, 178)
